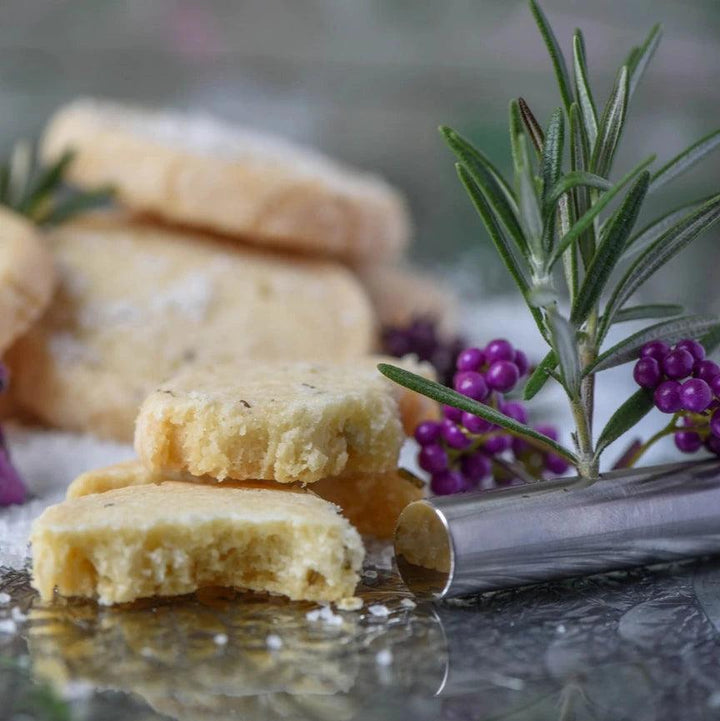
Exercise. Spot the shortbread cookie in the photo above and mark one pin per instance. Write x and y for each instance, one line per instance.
(202, 172)
(401, 294)
(276, 421)
(27, 276)
(137, 303)
(173, 538)
(371, 502)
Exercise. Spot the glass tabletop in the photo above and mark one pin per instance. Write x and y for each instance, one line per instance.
(639, 645)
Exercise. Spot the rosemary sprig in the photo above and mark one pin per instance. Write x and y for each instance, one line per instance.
(552, 211)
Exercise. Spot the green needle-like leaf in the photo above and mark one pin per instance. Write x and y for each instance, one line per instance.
(530, 217)
(579, 162)
(552, 155)
(586, 220)
(532, 127)
(576, 179)
(41, 184)
(582, 89)
(691, 326)
(556, 56)
(685, 160)
(609, 251)
(629, 414)
(640, 58)
(611, 126)
(77, 204)
(648, 312)
(539, 376)
(486, 178)
(668, 245)
(499, 241)
(564, 341)
(443, 394)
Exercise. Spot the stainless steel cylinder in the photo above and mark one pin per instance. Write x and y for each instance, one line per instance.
(469, 543)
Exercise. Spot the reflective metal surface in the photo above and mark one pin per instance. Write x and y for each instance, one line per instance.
(530, 534)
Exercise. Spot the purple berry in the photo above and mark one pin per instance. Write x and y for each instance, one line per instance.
(548, 430)
(706, 370)
(667, 396)
(453, 414)
(715, 385)
(715, 424)
(427, 432)
(433, 458)
(444, 483)
(515, 410)
(696, 395)
(497, 444)
(712, 443)
(519, 446)
(678, 363)
(470, 359)
(472, 385)
(502, 376)
(556, 464)
(453, 435)
(499, 350)
(655, 349)
(647, 373)
(695, 348)
(688, 441)
(521, 362)
(476, 424)
(475, 467)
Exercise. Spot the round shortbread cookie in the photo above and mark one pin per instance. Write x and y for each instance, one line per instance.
(401, 294)
(137, 303)
(202, 172)
(27, 276)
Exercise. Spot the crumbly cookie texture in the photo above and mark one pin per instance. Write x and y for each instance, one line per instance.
(400, 293)
(274, 421)
(371, 502)
(200, 171)
(174, 538)
(27, 276)
(136, 303)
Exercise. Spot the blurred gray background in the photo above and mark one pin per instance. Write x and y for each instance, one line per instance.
(369, 81)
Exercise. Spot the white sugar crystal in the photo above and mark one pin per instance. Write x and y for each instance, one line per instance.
(379, 610)
(220, 639)
(326, 615)
(408, 603)
(4, 598)
(48, 461)
(384, 657)
(561, 628)
(370, 573)
(274, 642)
(8, 626)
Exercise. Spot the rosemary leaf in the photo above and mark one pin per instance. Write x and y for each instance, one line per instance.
(582, 89)
(685, 160)
(539, 376)
(648, 312)
(611, 126)
(565, 345)
(532, 127)
(629, 414)
(640, 57)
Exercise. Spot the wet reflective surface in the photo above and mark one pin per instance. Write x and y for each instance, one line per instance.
(642, 645)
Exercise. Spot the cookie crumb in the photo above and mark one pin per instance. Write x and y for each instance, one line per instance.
(220, 639)
(379, 610)
(274, 642)
(349, 603)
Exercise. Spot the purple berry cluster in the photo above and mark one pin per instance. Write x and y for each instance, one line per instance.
(464, 450)
(686, 383)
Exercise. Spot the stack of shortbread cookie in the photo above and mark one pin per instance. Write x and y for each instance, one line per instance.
(234, 300)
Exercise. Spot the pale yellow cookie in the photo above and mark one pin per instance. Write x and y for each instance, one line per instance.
(27, 276)
(173, 538)
(400, 294)
(202, 172)
(276, 421)
(371, 502)
(136, 303)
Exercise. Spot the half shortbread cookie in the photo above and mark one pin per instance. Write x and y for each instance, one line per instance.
(173, 538)
(371, 502)
(136, 303)
(276, 421)
(27, 276)
(202, 172)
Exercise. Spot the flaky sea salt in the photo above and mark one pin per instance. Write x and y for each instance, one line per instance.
(220, 639)
(7, 625)
(408, 603)
(384, 657)
(17, 615)
(4, 598)
(274, 642)
(379, 610)
(326, 615)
